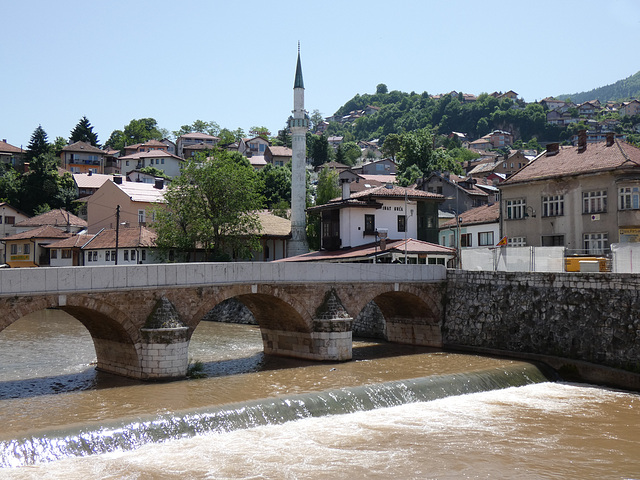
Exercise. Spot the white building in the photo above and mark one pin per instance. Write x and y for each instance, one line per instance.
(478, 227)
(167, 163)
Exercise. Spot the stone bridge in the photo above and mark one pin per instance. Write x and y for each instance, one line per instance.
(141, 318)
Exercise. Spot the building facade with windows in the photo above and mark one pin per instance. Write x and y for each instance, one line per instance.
(387, 212)
(478, 227)
(582, 198)
(82, 157)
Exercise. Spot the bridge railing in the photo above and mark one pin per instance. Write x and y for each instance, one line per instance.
(105, 278)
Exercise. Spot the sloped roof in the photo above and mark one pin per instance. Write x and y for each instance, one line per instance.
(95, 180)
(45, 231)
(597, 157)
(477, 216)
(372, 249)
(280, 151)
(82, 147)
(151, 154)
(368, 197)
(128, 237)
(7, 148)
(142, 192)
(274, 226)
(75, 241)
(57, 218)
(199, 135)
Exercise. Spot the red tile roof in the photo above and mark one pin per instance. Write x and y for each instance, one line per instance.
(372, 249)
(75, 241)
(82, 147)
(477, 216)
(597, 157)
(45, 231)
(128, 237)
(7, 148)
(57, 218)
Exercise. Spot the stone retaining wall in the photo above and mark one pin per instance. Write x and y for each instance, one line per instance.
(588, 317)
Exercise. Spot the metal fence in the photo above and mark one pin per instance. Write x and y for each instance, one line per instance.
(515, 259)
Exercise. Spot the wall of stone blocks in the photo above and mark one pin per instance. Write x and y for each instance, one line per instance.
(593, 317)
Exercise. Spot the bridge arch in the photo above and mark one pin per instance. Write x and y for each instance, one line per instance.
(272, 308)
(412, 315)
(114, 334)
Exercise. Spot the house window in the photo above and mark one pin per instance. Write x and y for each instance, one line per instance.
(485, 238)
(89, 257)
(14, 249)
(595, 243)
(143, 255)
(369, 224)
(53, 254)
(517, 242)
(126, 255)
(10, 220)
(113, 255)
(107, 256)
(266, 252)
(141, 216)
(172, 255)
(516, 209)
(26, 248)
(133, 255)
(594, 202)
(66, 253)
(126, 163)
(629, 198)
(553, 206)
(553, 240)
(402, 223)
(95, 256)
(465, 240)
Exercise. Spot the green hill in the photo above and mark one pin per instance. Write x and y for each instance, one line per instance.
(621, 90)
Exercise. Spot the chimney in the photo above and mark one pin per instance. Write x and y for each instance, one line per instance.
(582, 141)
(117, 179)
(610, 138)
(346, 188)
(159, 183)
(552, 149)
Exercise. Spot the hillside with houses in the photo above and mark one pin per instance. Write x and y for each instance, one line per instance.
(416, 178)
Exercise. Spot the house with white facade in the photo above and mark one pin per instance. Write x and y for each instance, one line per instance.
(478, 227)
(391, 212)
(164, 161)
(9, 216)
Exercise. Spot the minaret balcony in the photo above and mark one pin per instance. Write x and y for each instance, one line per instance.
(299, 122)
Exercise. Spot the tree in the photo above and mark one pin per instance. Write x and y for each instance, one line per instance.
(38, 144)
(276, 182)
(381, 88)
(391, 145)
(351, 152)
(318, 147)
(83, 132)
(153, 171)
(316, 118)
(416, 149)
(10, 184)
(328, 187)
(58, 144)
(260, 132)
(212, 205)
(200, 126)
(137, 131)
(43, 188)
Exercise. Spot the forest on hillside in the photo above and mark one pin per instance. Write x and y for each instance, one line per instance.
(621, 90)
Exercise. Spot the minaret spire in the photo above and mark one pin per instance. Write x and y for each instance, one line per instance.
(298, 124)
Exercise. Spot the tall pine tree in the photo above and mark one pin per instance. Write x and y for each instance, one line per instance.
(83, 132)
(38, 145)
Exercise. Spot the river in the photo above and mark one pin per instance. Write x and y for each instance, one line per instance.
(51, 396)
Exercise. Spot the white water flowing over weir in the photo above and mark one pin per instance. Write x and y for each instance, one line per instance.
(544, 430)
(54, 445)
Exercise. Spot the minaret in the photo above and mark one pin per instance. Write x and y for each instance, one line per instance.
(298, 124)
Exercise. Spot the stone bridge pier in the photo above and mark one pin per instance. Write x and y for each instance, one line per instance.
(141, 321)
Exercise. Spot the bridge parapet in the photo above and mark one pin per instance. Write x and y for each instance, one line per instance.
(116, 278)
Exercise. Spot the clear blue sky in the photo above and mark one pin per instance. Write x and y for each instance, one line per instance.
(234, 62)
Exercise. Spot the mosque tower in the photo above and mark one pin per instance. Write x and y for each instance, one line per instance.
(298, 124)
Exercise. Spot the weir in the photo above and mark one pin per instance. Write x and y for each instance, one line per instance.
(128, 434)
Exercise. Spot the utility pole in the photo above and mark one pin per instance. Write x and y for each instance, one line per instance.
(117, 230)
